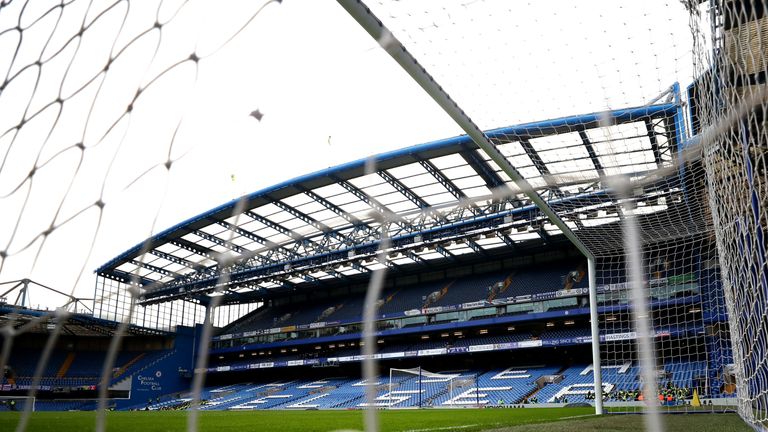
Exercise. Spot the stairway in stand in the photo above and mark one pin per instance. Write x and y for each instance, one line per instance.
(66, 365)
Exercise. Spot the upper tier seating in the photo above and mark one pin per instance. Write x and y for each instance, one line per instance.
(500, 284)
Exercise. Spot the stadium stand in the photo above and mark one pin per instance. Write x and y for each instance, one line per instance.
(446, 293)
(523, 310)
(511, 385)
(504, 324)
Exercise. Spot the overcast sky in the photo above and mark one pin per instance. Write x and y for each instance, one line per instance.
(328, 95)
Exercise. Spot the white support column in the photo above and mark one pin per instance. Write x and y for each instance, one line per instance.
(597, 372)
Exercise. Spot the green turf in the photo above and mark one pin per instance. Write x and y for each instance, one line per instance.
(512, 420)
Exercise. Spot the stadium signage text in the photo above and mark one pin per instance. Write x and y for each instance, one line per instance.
(149, 382)
(532, 343)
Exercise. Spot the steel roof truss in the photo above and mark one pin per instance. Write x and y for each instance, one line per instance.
(310, 220)
(592, 153)
(654, 142)
(300, 240)
(221, 242)
(155, 269)
(178, 260)
(334, 208)
(250, 235)
(507, 240)
(412, 255)
(476, 247)
(274, 225)
(540, 166)
(444, 252)
(481, 167)
(447, 183)
(403, 189)
(194, 248)
(373, 203)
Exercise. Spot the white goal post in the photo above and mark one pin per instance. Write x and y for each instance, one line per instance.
(17, 403)
(419, 388)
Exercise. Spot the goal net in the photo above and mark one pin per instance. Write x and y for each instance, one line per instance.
(684, 224)
(730, 113)
(16, 403)
(639, 137)
(419, 388)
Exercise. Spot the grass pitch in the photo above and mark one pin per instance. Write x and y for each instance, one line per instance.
(464, 420)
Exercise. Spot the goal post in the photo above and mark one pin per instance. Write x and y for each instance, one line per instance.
(420, 388)
(638, 203)
(365, 17)
(17, 403)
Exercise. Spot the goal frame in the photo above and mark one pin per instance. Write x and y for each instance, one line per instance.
(379, 32)
(26, 399)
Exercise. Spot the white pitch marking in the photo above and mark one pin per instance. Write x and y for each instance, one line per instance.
(444, 428)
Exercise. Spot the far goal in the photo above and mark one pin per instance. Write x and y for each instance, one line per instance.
(420, 388)
(16, 403)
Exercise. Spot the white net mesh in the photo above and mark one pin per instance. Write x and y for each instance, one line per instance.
(103, 107)
(730, 110)
(623, 182)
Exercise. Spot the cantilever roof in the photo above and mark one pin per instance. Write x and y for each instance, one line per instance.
(325, 225)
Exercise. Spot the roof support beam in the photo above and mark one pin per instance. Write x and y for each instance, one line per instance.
(403, 189)
(540, 166)
(177, 260)
(194, 248)
(654, 142)
(447, 184)
(220, 242)
(476, 247)
(592, 153)
(249, 235)
(493, 180)
(335, 274)
(311, 221)
(360, 268)
(274, 225)
(370, 23)
(374, 203)
(412, 255)
(490, 177)
(443, 180)
(538, 163)
(155, 269)
(334, 208)
(543, 234)
(445, 252)
(129, 278)
(268, 243)
(507, 240)
(362, 196)
(303, 216)
(285, 231)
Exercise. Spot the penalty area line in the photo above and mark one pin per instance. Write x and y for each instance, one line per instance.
(443, 428)
(577, 416)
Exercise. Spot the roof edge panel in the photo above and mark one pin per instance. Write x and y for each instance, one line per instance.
(389, 160)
